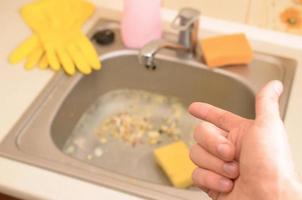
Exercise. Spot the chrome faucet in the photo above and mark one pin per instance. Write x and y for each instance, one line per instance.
(187, 23)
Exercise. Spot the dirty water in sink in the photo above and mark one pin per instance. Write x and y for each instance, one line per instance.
(119, 131)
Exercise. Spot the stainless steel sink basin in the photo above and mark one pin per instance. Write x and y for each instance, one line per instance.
(40, 135)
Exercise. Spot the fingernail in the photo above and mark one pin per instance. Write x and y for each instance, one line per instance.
(230, 168)
(223, 150)
(278, 87)
(225, 184)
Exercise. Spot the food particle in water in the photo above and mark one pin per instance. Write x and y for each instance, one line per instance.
(89, 157)
(79, 142)
(98, 152)
(103, 140)
(70, 149)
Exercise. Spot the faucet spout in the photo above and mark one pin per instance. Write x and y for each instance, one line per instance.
(148, 52)
(186, 22)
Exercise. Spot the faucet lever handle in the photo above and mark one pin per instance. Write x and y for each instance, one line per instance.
(185, 18)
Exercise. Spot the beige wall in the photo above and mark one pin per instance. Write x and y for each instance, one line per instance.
(227, 9)
(262, 13)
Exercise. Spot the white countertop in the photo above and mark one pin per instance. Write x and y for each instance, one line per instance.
(18, 89)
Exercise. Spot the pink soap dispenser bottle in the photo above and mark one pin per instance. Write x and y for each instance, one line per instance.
(141, 22)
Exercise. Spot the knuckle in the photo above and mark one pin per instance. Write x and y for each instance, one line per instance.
(195, 172)
(222, 119)
(259, 96)
(193, 152)
(267, 97)
(198, 131)
(208, 139)
(194, 176)
(206, 180)
(198, 177)
(195, 134)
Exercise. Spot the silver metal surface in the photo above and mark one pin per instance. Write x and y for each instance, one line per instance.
(148, 52)
(40, 135)
(187, 23)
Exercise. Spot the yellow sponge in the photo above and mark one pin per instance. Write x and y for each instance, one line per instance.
(174, 160)
(226, 50)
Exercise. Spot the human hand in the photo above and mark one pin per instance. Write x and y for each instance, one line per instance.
(242, 159)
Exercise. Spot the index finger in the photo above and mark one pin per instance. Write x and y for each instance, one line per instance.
(219, 117)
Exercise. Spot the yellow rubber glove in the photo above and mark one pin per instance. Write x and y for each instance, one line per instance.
(30, 50)
(58, 39)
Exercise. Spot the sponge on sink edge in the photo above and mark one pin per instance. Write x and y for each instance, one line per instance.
(175, 161)
(226, 50)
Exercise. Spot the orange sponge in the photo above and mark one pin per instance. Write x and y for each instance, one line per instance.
(226, 50)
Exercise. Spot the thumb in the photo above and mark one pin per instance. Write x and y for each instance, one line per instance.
(267, 100)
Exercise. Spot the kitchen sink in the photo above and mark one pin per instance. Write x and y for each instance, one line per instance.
(40, 136)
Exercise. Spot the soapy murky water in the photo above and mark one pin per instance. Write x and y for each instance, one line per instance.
(119, 131)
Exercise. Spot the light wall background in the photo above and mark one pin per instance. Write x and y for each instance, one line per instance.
(261, 13)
